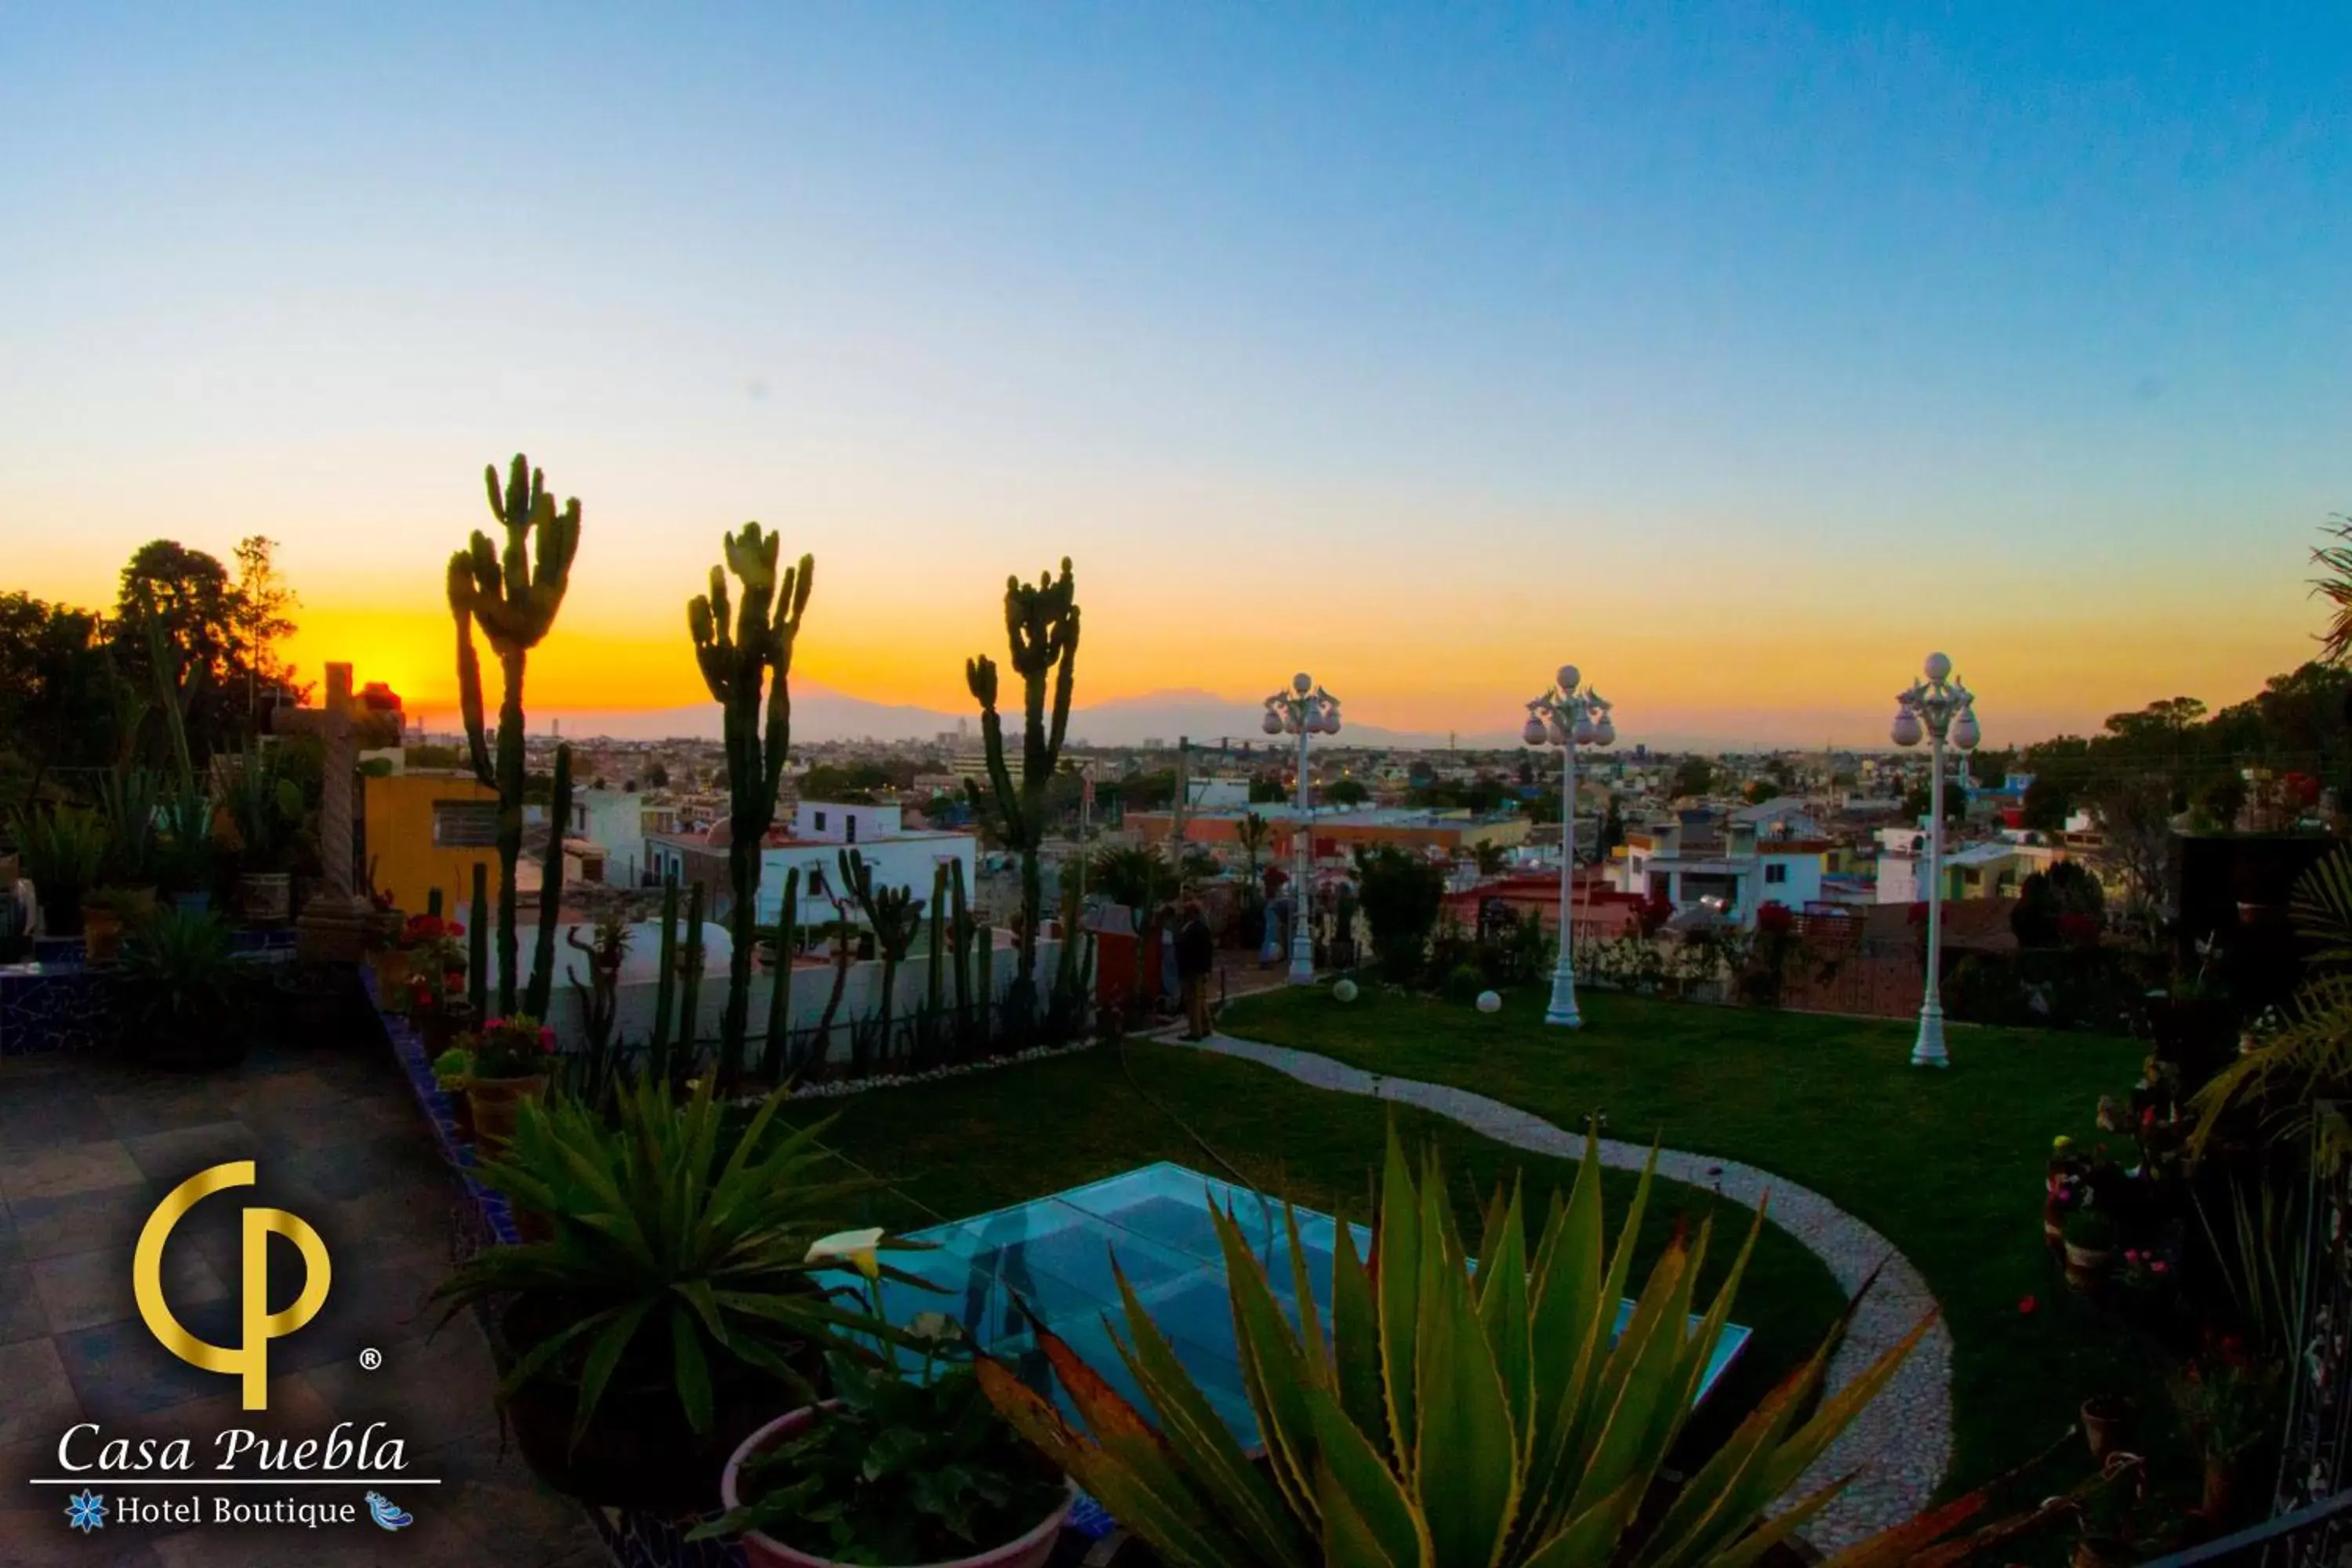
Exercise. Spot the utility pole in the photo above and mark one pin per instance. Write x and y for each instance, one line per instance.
(1184, 799)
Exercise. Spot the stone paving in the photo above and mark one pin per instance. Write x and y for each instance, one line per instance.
(88, 1146)
(1901, 1443)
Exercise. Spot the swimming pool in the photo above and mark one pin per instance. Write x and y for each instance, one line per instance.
(1054, 1254)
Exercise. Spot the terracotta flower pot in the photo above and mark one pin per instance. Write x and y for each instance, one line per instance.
(2221, 1485)
(393, 967)
(266, 897)
(1029, 1550)
(496, 1102)
(2085, 1268)
(102, 934)
(2106, 1422)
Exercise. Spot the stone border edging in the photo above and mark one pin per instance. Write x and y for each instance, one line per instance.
(1901, 1443)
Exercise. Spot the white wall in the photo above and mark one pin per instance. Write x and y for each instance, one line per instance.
(908, 861)
(832, 822)
(640, 986)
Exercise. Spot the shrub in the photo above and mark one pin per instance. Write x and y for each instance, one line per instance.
(1401, 895)
(1463, 982)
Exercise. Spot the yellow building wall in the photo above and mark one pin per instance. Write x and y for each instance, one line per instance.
(399, 828)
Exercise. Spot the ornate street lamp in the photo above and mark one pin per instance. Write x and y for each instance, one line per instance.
(1941, 709)
(1568, 716)
(1305, 709)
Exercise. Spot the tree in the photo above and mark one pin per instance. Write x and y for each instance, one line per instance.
(1756, 791)
(1268, 792)
(747, 668)
(264, 618)
(2135, 812)
(220, 633)
(1693, 777)
(1612, 830)
(658, 777)
(1345, 792)
(1489, 857)
(2335, 585)
(55, 695)
(2052, 904)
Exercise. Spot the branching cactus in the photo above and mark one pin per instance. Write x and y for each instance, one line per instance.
(896, 916)
(1041, 624)
(959, 934)
(513, 596)
(738, 664)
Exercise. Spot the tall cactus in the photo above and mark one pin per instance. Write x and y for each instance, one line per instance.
(779, 991)
(550, 890)
(477, 944)
(689, 987)
(737, 663)
(959, 934)
(665, 983)
(896, 915)
(513, 595)
(934, 982)
(1041, 624)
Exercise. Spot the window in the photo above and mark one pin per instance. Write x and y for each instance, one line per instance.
(464, 824)
(849, 826)
(1776, 873)
(820, 822)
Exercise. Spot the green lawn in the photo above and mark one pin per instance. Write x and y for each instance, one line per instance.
(965, 1146)
(1948, 1166)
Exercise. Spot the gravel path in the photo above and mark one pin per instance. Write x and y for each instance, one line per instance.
(1901, 1443)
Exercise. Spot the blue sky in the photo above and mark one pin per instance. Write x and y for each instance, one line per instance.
(1667, 339)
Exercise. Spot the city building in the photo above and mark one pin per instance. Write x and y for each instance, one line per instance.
(620, 820)
(1724, 866)
(422, 830)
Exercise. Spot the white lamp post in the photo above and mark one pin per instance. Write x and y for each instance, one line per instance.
(1568, 716)
(1942, 709)
(1305, 709)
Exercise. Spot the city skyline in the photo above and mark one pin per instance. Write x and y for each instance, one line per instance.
(1420, 354)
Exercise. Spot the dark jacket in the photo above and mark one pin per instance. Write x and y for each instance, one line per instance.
(1196, 948)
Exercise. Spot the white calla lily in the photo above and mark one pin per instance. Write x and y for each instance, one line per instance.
(855, 1248)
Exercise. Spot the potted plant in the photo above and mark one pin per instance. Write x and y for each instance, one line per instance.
(673, 1309)
(106, 914)
(512, 1058)
(453, 1069)
(910, 1471)
(62, 848)
(265, 807)
(181, 993)
(184, 851)
(2227, 1401)
(398, 962)
(2090, 1245)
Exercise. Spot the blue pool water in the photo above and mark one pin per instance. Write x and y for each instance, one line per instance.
(1054, 1254)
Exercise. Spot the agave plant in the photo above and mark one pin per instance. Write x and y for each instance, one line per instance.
(676, 1247)
(1451, 1416)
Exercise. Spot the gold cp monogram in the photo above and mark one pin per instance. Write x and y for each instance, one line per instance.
(250, 1360)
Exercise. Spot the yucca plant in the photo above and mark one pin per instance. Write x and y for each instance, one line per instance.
(677, 1251)
(1452, 1414)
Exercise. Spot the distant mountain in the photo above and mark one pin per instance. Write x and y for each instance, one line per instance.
(820, 713)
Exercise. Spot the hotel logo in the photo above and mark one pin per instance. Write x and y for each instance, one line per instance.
(248, 1360)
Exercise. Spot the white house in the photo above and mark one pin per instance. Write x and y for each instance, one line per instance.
(1734, 873)
(822, 830)
(619, 819)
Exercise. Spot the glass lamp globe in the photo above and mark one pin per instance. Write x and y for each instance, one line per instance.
(1331, 722)
(1906, 728)
(1568, 677)
(1558, 736)
(1534, 732)
(1271, 724)
(1938, 666)
(1583, 731)
(1604, 734)
(1302, 683)
(1964, 734)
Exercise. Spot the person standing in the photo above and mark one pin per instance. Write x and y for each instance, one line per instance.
(1196, 956)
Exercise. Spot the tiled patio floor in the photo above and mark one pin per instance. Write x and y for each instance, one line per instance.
(88, 1146)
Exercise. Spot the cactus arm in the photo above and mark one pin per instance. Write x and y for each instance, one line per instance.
(779, 991)
(477, 944)
(666, 983)
(689, 1024)
(551, 888)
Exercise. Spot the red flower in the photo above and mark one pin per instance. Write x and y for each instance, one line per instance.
(2027, 1306)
